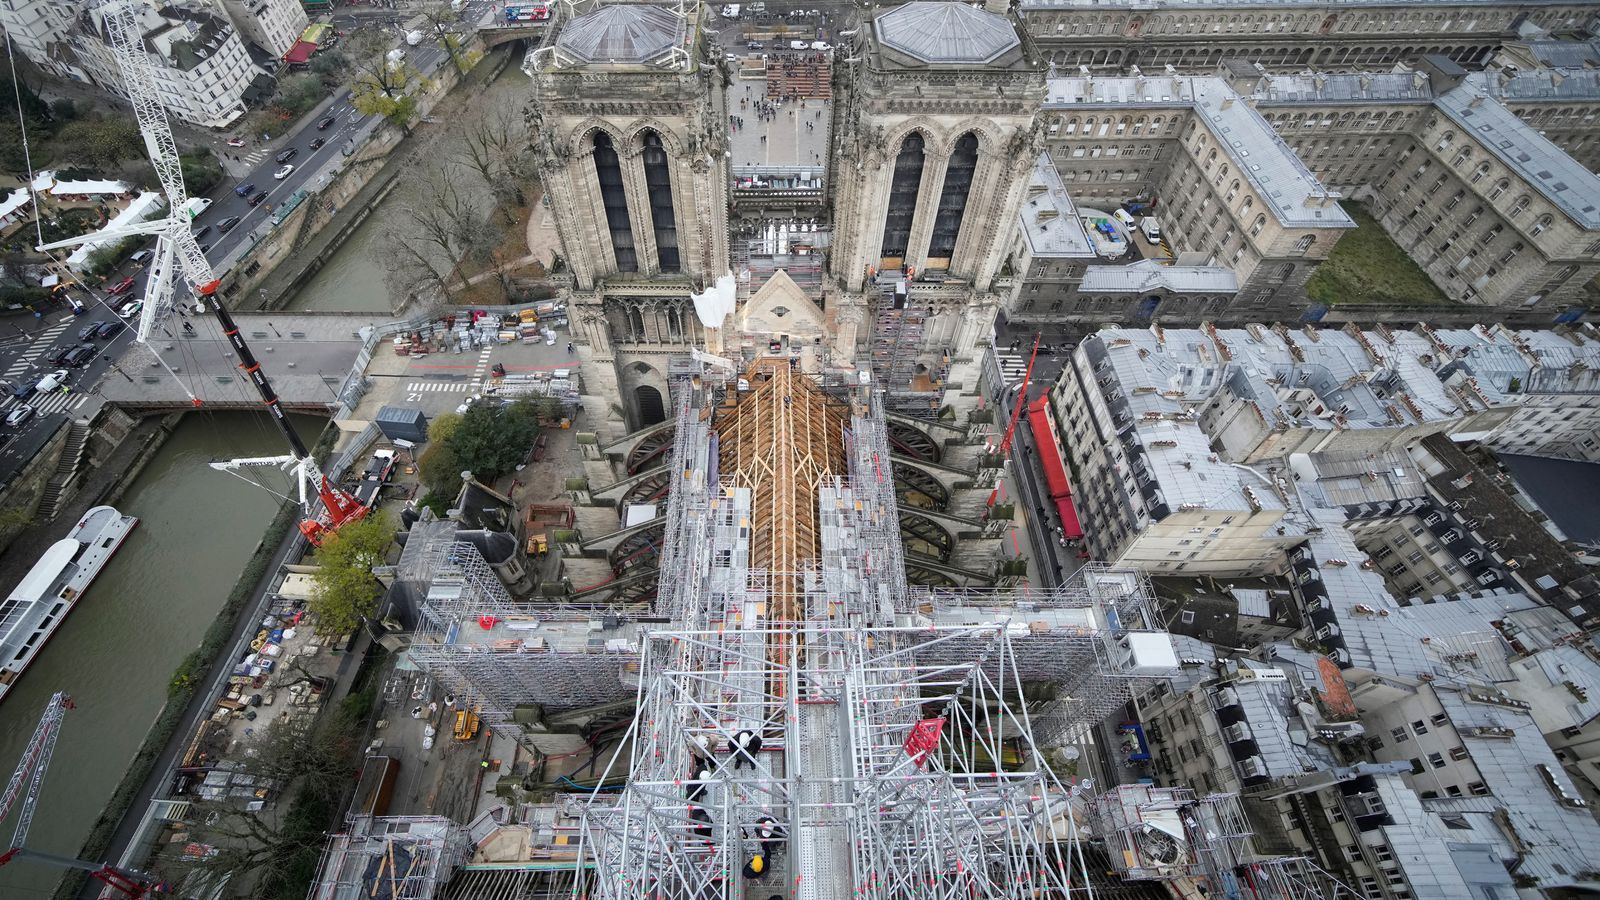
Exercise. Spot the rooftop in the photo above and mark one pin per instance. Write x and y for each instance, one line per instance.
(1049, 219)
(620, 33)
(1289, 189)
(1525, 816)
(1147, 275)
(946, 32)
(1560, 178)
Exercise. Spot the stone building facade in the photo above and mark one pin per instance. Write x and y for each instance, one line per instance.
(1284, 35)
(630, 133)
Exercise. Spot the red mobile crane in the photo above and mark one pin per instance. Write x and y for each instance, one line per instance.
(177, 249)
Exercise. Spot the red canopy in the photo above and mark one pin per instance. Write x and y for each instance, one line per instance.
(1071, 528)
(1055, 471)
(299, 53)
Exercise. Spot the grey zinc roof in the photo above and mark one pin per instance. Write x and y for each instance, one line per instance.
(1148, 275)
(1556, 842)
(1560, 178)
(1549, 85)
(944, 31)
(1048, 219)
(622, 33)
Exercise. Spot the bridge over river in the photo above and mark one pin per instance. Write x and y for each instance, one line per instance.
(306, 356)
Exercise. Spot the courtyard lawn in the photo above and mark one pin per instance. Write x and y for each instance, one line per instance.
(1367, 266)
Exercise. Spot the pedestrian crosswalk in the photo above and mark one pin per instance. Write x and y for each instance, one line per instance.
(46, 404)
(42, 344)
(1012, 366)
(459, 387)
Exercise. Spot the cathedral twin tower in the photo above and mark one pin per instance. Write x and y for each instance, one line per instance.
(932, 135)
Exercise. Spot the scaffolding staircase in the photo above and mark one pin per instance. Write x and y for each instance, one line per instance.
(59, 488)
(897, 342)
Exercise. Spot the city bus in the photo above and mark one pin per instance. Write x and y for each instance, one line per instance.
(528, 12)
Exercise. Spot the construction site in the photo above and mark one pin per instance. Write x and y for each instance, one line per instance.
(805, 722)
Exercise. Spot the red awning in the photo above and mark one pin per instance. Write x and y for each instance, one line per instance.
(299, 53)
(1071, 528)
(1055, 472)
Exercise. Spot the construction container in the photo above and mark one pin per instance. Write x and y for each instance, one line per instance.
(376, 786)
(399, 423)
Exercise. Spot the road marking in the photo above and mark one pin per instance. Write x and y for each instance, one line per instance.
(55, 402)
(417, 387)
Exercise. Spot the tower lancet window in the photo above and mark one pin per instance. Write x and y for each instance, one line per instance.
(902, 200)
(608, 170)
(953, 200)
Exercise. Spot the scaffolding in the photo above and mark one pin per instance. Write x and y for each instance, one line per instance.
(893, 753)
(391, 858)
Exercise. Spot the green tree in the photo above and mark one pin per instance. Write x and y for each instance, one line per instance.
(343, 589)
(201, 171)
(441, 470)
(298, 93)
(491, 440)
(101, 142)
(370, 99)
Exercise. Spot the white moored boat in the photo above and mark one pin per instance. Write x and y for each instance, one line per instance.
(36, 608)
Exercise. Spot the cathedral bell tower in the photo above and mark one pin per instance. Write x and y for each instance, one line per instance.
(935, 131)
(629, 127)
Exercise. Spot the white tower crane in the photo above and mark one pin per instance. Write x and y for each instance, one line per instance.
(176, 248)
(30, 772)
(175, 243)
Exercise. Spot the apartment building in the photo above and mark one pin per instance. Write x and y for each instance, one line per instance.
(1232, 195)
(39, 29)
(1286, 35)
(273, 25)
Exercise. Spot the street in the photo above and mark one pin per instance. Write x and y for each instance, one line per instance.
(27, 348)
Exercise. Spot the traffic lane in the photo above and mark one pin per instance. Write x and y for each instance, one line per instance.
(307, 162)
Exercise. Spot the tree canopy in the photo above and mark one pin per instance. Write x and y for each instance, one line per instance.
(491, 439)
(343, 590)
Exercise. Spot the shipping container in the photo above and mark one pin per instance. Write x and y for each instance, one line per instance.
(403, 423)
(376, 786)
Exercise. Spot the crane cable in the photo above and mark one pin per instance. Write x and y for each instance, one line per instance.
(38, 217)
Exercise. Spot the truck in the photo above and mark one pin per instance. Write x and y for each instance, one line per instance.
(376, 787)
(195, 207)
(1151, 229)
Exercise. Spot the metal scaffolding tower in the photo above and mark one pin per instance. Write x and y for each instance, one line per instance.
(391, 858)
(797, 701)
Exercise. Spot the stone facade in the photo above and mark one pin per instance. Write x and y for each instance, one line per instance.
(1286, 35)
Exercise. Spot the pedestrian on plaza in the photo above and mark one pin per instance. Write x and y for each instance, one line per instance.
(569, 348)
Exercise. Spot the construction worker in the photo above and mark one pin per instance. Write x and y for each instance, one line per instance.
(702, 820)
(756, 867)
(769, 833)
(744, 747)
(701, 780)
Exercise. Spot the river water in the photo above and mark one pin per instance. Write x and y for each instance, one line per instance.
(145, 612)
(355, 278)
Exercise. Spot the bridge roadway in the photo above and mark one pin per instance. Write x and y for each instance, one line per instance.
(306, 357)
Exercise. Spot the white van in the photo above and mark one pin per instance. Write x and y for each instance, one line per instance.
(731, 11)
(196, 206)
(1151, 229)
(52, 381)
(1125, 217)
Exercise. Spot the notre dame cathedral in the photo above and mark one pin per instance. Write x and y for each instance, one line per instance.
(842, 207)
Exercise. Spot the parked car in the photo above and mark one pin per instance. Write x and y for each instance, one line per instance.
(59, 356)
(326, 123)
(202, 232)
(235, 142)
(258, 199)
(121, 287)
(287, 155)
(316, 143)
(246, 189)
(87, 331)
(79, 356)
(19, 415)
(282, 173)
(132, 309)
(141, 257)
(109, 330)
(226, 225)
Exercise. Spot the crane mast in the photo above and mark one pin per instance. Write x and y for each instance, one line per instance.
(24, 786)
(176, 248)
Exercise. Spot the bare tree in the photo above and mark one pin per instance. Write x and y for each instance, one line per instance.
(495, 146)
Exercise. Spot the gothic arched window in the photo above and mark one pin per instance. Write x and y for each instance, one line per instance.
(608, 170)
(658, 182)
(902, 198)
(953, 199)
